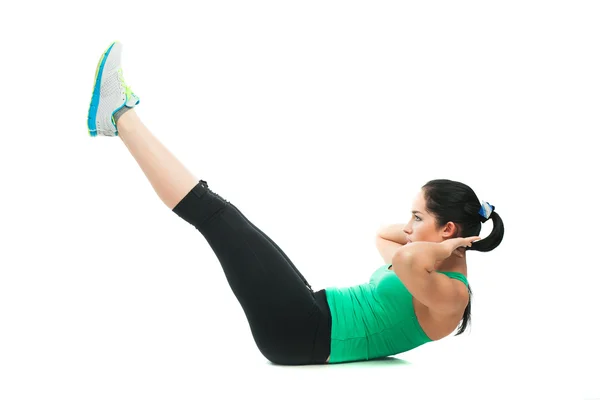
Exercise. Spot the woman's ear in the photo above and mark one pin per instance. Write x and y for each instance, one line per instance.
(450, 230)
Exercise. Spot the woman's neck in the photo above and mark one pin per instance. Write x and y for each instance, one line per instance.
(453, 264)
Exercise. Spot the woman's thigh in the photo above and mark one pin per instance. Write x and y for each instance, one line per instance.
(278, 302)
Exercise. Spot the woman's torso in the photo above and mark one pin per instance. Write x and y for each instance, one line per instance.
(437, 325)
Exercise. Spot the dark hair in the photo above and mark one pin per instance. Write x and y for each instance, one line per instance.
(453, 201)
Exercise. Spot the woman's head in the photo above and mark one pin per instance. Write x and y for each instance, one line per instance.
(446, 209)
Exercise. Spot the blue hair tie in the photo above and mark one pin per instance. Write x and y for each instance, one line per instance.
(486, 210)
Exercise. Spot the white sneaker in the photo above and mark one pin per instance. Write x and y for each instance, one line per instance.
(110, 93)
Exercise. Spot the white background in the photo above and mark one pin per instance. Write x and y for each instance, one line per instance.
(320, 120)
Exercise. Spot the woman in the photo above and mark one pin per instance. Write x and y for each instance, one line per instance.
(419, 295)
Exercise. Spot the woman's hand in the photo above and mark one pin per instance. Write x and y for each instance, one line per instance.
(453, 245)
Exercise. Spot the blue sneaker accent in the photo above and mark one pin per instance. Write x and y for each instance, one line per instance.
(93, 111)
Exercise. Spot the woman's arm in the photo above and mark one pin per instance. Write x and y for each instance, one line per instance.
(393, 232)
(388, 240)
(386, 248)
(436, 291)
(427, 255)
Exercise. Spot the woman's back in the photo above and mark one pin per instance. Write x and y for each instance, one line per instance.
(379, 319)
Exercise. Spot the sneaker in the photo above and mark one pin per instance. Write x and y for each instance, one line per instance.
(110, 93)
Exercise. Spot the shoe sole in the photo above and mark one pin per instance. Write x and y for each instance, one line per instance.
(93, 111)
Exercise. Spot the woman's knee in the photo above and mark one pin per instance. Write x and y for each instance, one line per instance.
(200, 205)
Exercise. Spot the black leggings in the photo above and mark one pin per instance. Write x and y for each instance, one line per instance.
(290, 323)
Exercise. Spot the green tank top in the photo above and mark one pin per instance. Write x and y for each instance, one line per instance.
(375, 319)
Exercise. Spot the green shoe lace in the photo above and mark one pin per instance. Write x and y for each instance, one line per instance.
(128, 93)
(128, 90)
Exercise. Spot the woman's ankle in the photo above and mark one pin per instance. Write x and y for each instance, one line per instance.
(125, 118)
(123, 112)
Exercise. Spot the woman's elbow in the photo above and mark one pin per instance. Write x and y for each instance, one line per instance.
(401, 259)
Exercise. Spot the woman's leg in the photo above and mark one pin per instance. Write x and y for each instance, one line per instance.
(168, 176)
(170, 179)
(288, 324)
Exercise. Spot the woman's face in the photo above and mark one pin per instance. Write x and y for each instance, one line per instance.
(421, 226)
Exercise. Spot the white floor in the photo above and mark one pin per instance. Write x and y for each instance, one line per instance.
(192, 375)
